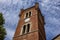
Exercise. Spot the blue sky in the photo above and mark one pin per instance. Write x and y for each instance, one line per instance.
(50, 10)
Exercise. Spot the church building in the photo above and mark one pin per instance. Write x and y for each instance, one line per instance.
(30, 25)
(57, 37)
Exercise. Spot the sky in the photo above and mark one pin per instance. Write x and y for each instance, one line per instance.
(50, 10)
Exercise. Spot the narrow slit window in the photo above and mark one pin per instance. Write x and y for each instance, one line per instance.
(24, 27)
(28, 27)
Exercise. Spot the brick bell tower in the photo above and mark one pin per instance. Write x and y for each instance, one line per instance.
(31, 24)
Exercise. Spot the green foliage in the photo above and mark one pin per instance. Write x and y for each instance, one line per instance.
(1, 19)
(2, 29)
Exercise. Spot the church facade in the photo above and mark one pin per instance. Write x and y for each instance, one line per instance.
(30, 25)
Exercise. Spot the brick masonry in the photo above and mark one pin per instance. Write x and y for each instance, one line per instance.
(37, 31)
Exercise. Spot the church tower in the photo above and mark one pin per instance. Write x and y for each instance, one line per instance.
(30, 25)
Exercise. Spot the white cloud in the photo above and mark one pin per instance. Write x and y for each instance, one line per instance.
(6, 1)
(53, 20)
(45, 1)
(2, 0)
(11, 14)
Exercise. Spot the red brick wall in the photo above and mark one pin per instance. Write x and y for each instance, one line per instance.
(34, 32)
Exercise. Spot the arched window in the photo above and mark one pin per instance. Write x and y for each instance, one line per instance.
(28, 15)
(26, 29)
